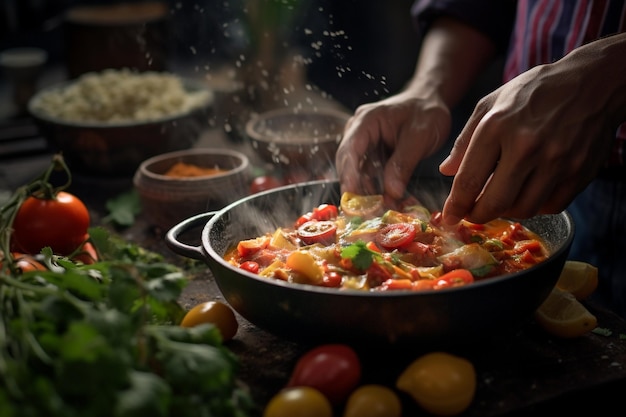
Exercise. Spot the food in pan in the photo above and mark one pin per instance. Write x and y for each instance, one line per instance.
(363, 245)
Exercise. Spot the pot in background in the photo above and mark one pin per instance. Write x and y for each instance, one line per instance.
(167, 200)
(122, 35)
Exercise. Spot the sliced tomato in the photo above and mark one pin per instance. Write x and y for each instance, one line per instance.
(396, 284)
(332, 279)
(325, 212)
(454, 278)
(396, 235)
(316, 231)
(249, 247)
(250, 266)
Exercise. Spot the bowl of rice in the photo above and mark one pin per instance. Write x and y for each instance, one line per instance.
(106, 123)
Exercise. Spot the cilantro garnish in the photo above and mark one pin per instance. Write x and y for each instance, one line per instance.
(359, 254)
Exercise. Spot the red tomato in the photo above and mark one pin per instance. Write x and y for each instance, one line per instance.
(60, 223)
(454, 278)
(325, 212)
(396, 235)
(250, 266)
(27, 263)
(314, 231)
(87, 253)
(333, 369)
(249, 247)
(332, 279)
(264, 182)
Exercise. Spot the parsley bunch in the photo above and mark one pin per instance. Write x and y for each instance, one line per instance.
(103, 340)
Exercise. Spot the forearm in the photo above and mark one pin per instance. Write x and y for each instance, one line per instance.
(452, 56)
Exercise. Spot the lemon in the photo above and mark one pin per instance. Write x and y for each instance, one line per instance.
(578, 278)
(562, 315)
(361, 205)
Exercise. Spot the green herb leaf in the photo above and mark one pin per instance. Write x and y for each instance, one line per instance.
(123, 208)
(359, 254)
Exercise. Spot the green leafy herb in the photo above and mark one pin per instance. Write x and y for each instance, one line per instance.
(103, 340)
(359, 254)
(123, 209)
(602, 331)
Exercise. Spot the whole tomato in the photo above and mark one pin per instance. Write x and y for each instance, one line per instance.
(441, 383)
(60, 223)
(373, 400)
(87, 253)
(215, 312)
(298, 402)
(333, 369)
(26, 263)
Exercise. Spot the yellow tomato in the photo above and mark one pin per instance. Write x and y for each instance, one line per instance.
(441, 383)
(215, 312)
(373, 401)
(298, 402)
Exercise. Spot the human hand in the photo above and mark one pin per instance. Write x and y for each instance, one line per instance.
(384, 141)
(532, 145)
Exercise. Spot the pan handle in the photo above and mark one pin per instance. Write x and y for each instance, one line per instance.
(172, 241)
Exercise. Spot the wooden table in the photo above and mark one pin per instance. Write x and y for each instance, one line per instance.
(524, 373)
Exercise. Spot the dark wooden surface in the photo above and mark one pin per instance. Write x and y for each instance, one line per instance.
(523, 373)
(520, 373)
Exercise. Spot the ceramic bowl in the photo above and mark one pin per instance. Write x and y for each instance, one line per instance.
(166, 200)
(116, 148)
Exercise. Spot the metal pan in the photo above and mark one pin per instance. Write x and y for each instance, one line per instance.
(305, 312)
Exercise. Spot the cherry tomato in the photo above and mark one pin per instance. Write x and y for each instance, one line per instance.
(333, 369)
(298, 402)
(454, 278)
(250, 266)
(249, 247)
(87, 253)
(441, 383)
(264, 182)
(373, 401)
(27, 263)
(216, 313)
(325, 212)
(362, 206)
(60, 223)
(315, 231)
(332, 279)
(396, 235)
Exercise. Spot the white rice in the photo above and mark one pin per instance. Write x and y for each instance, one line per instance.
(120, 96)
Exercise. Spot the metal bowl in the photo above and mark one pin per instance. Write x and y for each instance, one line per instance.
(168, 200)
(472, 313)
(297, 138)
(115, 149)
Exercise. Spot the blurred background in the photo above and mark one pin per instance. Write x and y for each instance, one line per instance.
(255, 55)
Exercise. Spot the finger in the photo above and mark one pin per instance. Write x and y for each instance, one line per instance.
(478, 165)
(352, 150)
(451, 164)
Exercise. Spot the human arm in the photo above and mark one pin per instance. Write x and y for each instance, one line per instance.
(533, 144)
(414, 123)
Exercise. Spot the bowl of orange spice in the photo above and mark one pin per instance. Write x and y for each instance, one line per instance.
(177, 185)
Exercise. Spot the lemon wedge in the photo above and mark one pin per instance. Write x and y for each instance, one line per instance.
(562, 315)
(578, 278)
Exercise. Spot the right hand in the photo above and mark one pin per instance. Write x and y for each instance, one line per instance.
(383, 143)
